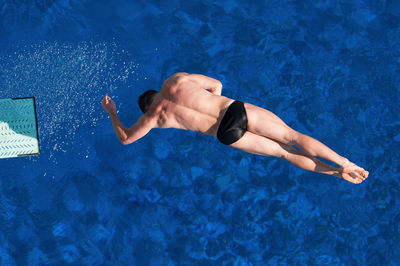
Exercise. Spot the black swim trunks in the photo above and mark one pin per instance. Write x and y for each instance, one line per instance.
(233, 124)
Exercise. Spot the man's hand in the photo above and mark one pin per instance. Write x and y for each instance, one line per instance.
(135, 132)
(109, 105)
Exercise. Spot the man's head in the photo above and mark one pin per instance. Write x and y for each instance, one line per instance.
(146, 99)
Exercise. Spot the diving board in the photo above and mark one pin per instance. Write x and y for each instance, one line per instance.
(19, 134)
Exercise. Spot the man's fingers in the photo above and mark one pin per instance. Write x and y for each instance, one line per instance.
(106, 99)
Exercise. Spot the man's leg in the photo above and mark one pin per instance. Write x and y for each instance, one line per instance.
(256, 144)
(265, 123)
(315, 148)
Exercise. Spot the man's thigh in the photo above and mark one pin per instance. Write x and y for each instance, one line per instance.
(265, 123)
(260, 145)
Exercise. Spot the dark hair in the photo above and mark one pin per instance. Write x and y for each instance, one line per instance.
(144, 100)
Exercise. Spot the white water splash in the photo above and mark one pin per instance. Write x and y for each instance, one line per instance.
(68, 81)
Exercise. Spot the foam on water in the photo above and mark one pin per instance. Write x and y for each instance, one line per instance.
(68, 81)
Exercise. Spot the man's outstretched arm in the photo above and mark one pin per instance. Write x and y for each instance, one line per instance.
(127, 135)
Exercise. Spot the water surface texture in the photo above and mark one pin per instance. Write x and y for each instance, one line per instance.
(330, 69)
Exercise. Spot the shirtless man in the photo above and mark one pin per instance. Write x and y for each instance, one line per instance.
(194, 102)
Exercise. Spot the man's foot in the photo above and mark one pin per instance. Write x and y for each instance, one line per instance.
(353, 173)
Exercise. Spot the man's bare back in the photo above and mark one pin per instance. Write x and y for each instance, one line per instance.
(190, 102)
(194, 102)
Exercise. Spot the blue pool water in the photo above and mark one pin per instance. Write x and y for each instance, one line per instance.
(328, 68)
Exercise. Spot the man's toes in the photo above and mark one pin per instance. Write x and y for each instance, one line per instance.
(359, 177)
(362, 173)
(356, 181)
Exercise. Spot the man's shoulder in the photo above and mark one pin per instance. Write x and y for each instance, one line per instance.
(176, 77)
(148, 119)
(173, 82)
(180, 74)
